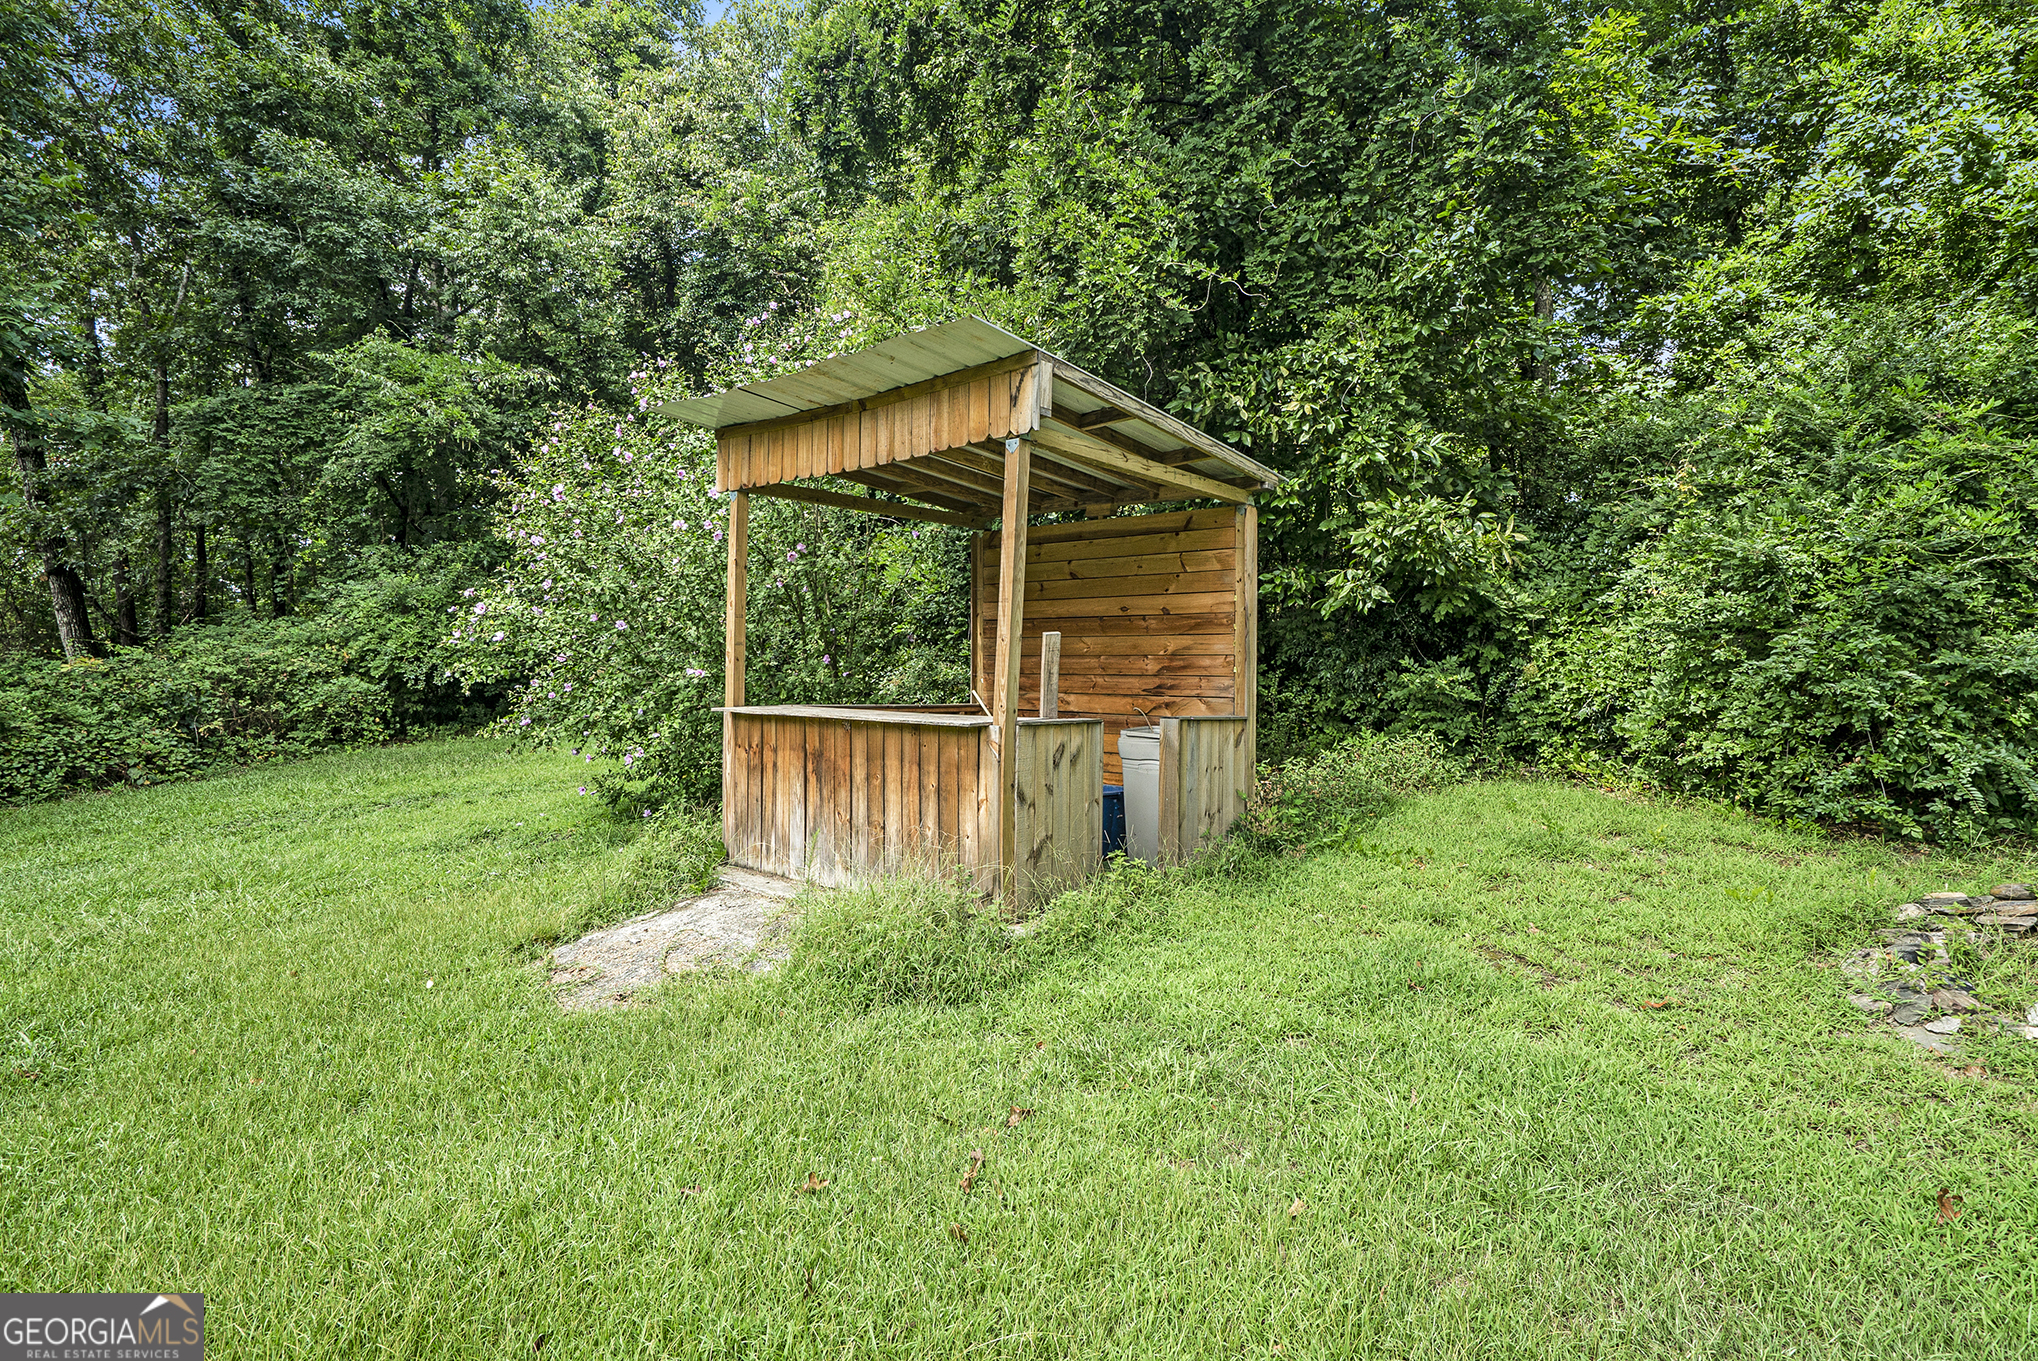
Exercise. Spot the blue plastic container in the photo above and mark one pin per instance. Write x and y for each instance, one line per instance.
(1114, 819)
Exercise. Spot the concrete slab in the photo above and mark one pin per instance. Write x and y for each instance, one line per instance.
(740, 924)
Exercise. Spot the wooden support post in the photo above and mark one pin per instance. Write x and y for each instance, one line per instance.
(1245, 633)
(1005, 681)
(1050, 675)
(732, 620)
(737, 835)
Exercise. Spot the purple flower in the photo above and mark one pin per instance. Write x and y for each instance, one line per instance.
(628, 759)
(558, 491)
(583, 789)
(679, 524)
(621, 626)
(538, 540)
(523, 722)
(497, 638)
(827, 660)
(480, 608)
(790, 557)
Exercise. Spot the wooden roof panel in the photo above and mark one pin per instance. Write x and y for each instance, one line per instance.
(924, 355)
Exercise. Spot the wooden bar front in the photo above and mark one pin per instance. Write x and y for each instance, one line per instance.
(845, 795)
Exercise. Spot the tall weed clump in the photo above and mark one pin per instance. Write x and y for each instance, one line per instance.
(903, 941)
(1313, 802)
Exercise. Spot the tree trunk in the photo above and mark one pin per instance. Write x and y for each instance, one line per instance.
(67, 592)
(126, 628)
(198, 573)
(279, 577)
(166, 543)
(67, 599)
(1546, 311)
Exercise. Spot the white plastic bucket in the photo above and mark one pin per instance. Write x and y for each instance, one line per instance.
(1140, 750)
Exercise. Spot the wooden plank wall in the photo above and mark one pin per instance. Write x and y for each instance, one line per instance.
(1059, 818)
(1148, 610)
(995, 401)
(1206, 776)
(837, 801)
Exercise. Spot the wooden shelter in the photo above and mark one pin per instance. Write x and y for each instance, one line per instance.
(1156, 614)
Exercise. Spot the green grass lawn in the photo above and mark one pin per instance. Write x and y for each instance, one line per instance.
(282, 1038)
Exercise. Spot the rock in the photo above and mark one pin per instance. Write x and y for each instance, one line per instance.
(2014, 910)
(1874, 1006)
(2031, 1016)
(1909, 912)
(1950, 999)
(2018, 893)
(1943, 900)
(1910, 1013)
(1945, 1025)
(1944, 1045)
(2014, 925)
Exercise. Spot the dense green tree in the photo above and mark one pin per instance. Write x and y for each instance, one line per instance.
(1605, 350)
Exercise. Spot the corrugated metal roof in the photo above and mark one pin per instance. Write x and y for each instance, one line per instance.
(908, 358)
(916, 356)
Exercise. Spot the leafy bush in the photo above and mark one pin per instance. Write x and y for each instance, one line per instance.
(606, 622)
(1827, 605)
(222, 695)
(362, 665)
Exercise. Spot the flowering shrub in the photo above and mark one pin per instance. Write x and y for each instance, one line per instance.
(608, 614)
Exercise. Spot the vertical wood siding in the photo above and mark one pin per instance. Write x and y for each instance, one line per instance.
(841, 801)
(1059, 813)
(1206, 775)
(926, 419)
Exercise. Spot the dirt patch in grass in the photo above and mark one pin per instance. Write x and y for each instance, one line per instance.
(1508, 962)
